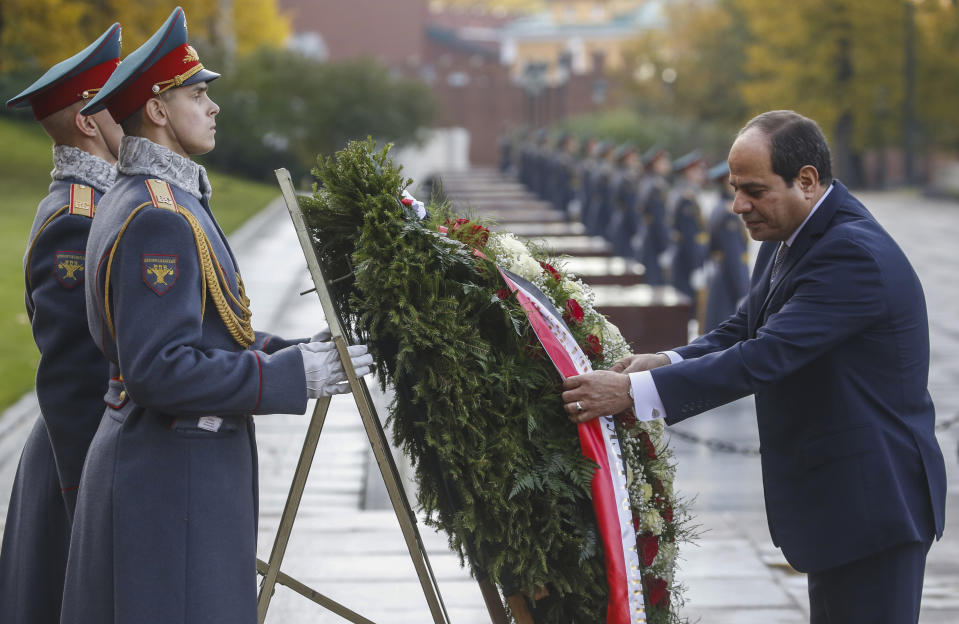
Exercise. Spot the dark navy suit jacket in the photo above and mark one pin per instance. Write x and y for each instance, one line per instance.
(837, 355)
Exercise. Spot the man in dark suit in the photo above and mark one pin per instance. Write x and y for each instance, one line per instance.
(833, 340)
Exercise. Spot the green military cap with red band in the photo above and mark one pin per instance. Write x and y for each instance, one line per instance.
(77, 78)
(164, 62)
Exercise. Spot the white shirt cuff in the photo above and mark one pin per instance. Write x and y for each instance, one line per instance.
(646, 402)
(673, 356)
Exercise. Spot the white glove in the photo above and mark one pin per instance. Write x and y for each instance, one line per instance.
(323, 335)
(324, 370)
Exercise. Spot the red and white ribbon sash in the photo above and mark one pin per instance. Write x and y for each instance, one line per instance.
(600, 442)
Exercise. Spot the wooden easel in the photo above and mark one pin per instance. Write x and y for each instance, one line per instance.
(374, 431)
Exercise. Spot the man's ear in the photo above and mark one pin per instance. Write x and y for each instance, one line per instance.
(808, 180)
(85, 124)
(155, 112)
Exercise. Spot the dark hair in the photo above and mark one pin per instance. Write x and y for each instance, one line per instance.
(794, 142)
(132, 124)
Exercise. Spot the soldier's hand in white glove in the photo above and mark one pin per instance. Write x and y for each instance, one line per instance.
(323, 335)
(324, 370)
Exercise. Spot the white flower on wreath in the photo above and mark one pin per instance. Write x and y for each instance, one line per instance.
(576, 291)
(645, 493)
(666, 555)
(527, 266)
(510, 245)
(651, 521)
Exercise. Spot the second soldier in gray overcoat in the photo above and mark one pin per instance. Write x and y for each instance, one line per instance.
(72, 373)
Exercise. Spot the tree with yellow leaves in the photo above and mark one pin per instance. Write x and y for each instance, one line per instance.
(39, 33)
(837, 61)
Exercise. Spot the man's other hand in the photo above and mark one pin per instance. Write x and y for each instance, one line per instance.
(640, 362)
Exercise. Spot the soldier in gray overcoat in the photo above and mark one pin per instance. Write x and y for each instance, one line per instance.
(653, 189)
(727, 269)
(165, 527)
(596, 214)
(687, 226)
(623, 223)
(72, 373)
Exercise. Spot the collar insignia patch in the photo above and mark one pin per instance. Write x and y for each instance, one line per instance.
(161, 194)
(68, 267)
(81, 200)
(159, 272)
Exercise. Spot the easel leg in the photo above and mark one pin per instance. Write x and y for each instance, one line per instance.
(291, 507)
(497, 614)
(519, 609)
(311, 594)
(374, 432)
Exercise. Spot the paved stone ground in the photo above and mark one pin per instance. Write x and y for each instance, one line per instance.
(733, 573)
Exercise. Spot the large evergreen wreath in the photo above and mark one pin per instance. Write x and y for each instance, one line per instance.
(477, 404)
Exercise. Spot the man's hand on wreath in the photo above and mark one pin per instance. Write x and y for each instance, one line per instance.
(600, 393)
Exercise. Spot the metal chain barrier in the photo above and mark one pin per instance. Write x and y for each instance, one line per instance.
(723, 446)
(715, 444)
(945, 424)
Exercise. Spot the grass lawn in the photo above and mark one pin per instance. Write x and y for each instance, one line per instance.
(25, 164)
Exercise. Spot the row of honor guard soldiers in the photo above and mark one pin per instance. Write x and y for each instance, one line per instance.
(649, 208)
(135, 499)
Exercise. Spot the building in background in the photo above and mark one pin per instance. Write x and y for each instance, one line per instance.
(491, 71)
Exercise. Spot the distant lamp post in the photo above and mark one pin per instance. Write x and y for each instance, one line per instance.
(563, 72)
(881, 118)
(599, 90)
(533, 81)
(645, 72)
(669, 76)
(909, 95)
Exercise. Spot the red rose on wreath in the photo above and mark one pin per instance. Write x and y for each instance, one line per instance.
(479, 236)
(648, 545)
(502, 293)
(648, 447)
(456, 226)
(627, 419)
(636, 523)
(667, 513)
(658, 592)
(573, 313)
(549, 270)
(475, 236)
(594, 347)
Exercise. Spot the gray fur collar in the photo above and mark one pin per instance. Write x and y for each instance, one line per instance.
(140, 156)
(72, 163)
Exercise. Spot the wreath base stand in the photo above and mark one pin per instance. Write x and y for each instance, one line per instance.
(384, 459)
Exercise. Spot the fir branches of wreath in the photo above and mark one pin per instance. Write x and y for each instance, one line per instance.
(477, 404)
